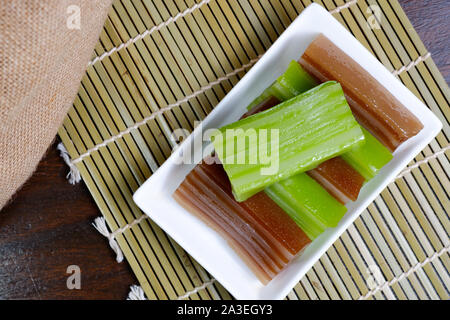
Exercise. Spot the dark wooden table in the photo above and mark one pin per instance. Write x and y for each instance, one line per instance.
(47, 227)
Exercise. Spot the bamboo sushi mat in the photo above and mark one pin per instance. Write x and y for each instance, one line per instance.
(162, 65)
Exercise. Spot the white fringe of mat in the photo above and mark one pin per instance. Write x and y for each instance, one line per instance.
(100, 224)
(136, 293)
(74, 175)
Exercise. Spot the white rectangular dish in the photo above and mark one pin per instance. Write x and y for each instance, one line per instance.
(154, 197)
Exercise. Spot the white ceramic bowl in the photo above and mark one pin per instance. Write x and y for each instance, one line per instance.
(154, 197)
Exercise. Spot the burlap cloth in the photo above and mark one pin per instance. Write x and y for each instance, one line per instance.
(43, 56)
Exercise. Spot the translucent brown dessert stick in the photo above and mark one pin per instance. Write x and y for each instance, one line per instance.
(258, 257)
(258, 230)
(339, 179)
(279, 253)
(273, 218)
(372, 104)
(261, 211)
(183, 198)
(236, 216)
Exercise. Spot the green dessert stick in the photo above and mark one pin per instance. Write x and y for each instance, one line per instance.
(307, 203)
(292, 82)
(288, 139)
(295, 80)
(368, 158)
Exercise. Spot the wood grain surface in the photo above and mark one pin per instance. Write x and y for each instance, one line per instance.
(47, 226)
